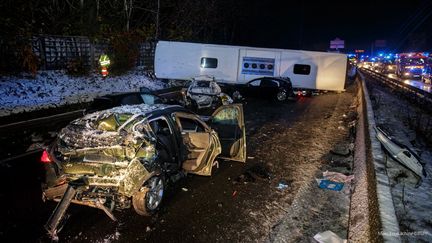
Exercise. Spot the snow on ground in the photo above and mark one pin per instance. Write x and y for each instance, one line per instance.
(55, 88)
(413, 205)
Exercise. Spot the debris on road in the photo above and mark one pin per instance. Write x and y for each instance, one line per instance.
(401, 153)
(328, 237)
(283, 184)
(333, 180)
(337, 177)
(234, 193)
(330, 185)
(216, 163)
(185, 189)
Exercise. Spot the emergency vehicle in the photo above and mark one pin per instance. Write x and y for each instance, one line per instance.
(427, 72)
(410, 65)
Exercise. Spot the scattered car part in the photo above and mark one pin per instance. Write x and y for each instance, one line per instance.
(330, 185)
(401, 153)
(328, 237)
(59, 212)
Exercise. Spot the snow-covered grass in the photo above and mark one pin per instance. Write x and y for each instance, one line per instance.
(55, 88)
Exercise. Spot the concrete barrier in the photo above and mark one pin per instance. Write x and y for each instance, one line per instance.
(372, 213)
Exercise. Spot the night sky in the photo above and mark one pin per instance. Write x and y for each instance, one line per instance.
(405, 25)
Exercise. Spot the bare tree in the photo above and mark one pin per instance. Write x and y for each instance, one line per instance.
(128, 8)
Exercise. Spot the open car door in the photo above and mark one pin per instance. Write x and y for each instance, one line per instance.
(200, 144)
(228, 122)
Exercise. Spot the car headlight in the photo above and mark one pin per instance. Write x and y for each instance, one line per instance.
(406, 74)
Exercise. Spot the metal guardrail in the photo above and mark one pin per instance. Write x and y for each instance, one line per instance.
(416, 95)
(42, 121)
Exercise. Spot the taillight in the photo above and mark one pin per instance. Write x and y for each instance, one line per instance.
(45, 158)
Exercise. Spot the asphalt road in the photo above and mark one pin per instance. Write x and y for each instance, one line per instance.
(196, 209)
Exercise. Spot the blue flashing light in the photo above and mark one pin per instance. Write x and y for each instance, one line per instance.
(380, 54)
(373, 59)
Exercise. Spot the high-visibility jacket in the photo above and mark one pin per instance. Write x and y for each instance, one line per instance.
(104, 60)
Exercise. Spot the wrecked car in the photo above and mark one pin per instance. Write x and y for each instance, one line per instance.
(126, 156)
(278, 89)
(205, 93)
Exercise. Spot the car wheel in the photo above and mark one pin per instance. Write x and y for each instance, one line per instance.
(149, 198)
(281, 95)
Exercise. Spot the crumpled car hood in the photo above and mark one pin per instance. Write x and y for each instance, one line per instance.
(107, 158)
(79, 137)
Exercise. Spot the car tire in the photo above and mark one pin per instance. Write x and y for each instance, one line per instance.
(149, 198)
(281, 95)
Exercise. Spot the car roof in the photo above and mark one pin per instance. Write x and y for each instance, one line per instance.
(140, 109)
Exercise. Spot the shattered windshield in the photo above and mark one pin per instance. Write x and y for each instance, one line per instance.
(113, 122)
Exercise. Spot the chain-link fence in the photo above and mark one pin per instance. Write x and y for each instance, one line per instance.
(56, 52)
